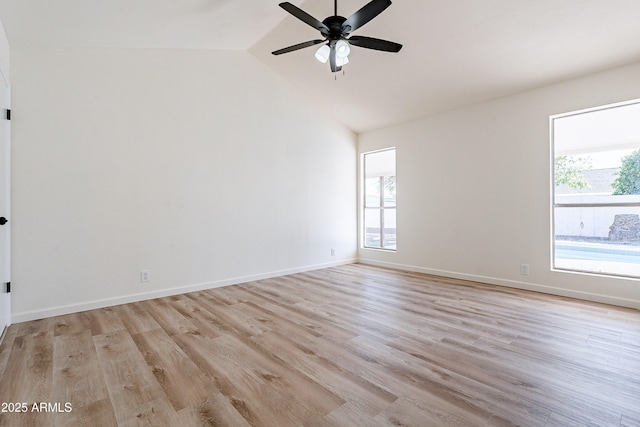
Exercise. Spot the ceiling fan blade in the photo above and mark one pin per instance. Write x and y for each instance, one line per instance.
(375, 44)
(304, 16)
(296, 47)
(364, 15)
(332, 60)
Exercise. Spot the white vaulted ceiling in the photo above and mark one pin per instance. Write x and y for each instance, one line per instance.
(456, 52)
(173, 24)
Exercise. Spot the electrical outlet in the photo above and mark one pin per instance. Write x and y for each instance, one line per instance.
(145, 276)
(333, 252)
(524, 269)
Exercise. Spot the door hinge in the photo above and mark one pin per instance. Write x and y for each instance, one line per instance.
(8, 114)
(8, 287)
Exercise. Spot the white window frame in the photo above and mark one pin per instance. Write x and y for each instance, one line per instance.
(555, 204)
(382, 208)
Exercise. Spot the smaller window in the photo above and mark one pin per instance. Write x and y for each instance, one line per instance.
(379, 201)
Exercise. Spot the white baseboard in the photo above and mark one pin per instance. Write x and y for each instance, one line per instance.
(107, 302)
(536, 287)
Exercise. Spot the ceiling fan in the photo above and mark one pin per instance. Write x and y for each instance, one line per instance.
(336, 29)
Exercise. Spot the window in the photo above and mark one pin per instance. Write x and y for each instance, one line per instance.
(596, 190)
(379, 201)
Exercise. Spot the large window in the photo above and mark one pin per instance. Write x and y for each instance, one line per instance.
(596, 190)
(379, 201)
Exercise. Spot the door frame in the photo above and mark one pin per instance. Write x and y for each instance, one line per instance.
(5, 208)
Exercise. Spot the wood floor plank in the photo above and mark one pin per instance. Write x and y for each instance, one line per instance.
(167, 317)
(156, 412)
(28, 379)
(405, 413)
(78, 380)
(488, 396)
(216, 411)
(183, 383)
(105, 321)
(369, 398)
(136, 319)
(99, 412)
(247, 375)
(353, 345)
(319, 324)
(35, 326)
(205, 322)
(250, 396)
(5, 349)
(350, 414)
(236, 318)
(133, 388)
(71, 324)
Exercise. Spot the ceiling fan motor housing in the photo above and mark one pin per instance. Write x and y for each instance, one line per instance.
(335, 28)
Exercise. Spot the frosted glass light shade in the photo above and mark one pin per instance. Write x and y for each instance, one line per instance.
(341, 61)
(323, 53)
(342, 49)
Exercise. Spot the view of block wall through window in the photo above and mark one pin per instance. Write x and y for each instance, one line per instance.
(596, 190)
(379, 201)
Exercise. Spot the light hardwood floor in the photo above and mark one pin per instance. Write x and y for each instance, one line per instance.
(346, 346)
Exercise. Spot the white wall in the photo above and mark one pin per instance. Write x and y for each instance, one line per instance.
(474, 191)
(203, 167)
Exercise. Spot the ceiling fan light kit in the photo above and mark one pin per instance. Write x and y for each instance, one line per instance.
(342, 61)
(322, 54)
(336, 29)
(342, 49)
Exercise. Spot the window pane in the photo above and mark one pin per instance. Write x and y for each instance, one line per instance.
(372, 192)
(380, 163)
(389, 241)
(372, 232)
(389, 191)
(598, 239)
